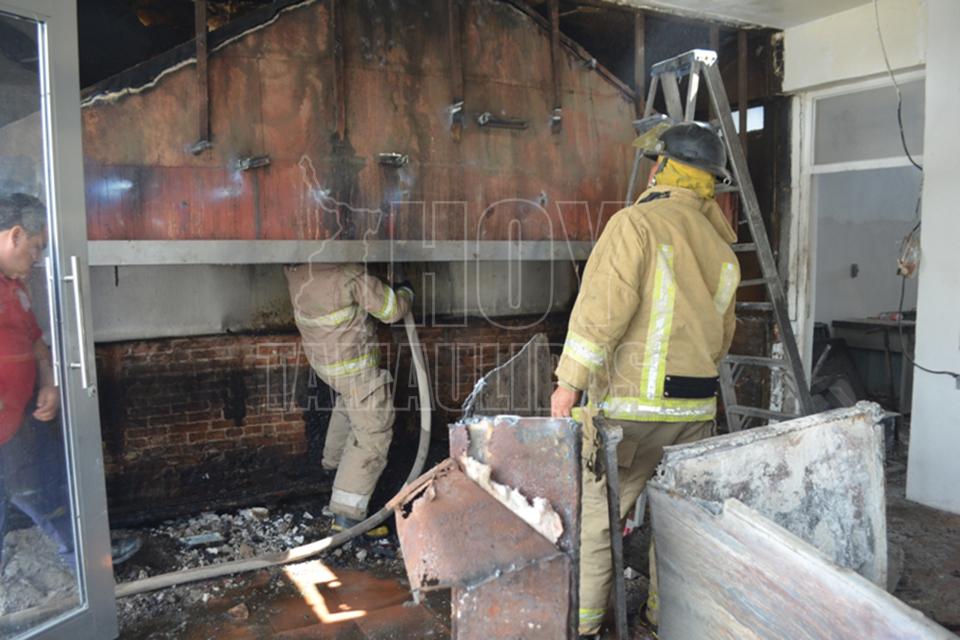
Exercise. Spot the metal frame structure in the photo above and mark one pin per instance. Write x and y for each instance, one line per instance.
(700, 65)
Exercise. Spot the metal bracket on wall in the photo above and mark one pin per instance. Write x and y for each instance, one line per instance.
(252, 162)
(393, 159)
(487, 119)
(456, 119)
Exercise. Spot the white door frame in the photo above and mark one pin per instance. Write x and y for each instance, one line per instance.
(802, 248)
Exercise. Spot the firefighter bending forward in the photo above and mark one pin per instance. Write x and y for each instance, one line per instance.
(331, 303)
(653, 318)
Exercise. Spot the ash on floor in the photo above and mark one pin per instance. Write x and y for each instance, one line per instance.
(33, 574)
(212, 538)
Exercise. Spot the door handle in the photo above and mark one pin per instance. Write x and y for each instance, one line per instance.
(74, 279)
(52, 313)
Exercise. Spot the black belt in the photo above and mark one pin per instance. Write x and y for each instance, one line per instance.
(689, 387)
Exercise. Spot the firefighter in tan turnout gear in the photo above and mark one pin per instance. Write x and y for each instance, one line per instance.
(654, 316)
(331, 305)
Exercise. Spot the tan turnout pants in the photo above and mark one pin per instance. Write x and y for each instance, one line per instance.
(638, 456)
(358, 438)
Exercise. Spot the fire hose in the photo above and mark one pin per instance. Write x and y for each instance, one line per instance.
(303, 552)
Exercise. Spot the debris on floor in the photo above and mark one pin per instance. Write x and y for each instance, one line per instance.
(232, 536)
(33, 574)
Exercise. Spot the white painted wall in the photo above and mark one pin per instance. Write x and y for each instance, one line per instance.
(933, 472)
(862, 217)
(844, 46)
(134, 303)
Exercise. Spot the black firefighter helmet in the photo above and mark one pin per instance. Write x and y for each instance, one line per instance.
(693, 143)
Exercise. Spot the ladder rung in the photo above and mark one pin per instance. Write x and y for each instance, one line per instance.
(744, 247)
(755, 282)
(757, 412)
(726, 188)
(754, 306)
(757, 361)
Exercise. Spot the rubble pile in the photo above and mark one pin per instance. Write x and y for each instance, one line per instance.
(32, 573)
(212, 538)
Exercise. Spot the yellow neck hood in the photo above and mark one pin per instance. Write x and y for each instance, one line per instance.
(677, 174)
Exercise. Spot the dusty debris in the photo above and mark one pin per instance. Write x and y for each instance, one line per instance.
(202, 539)
(538, 513)
(33, 574)
(239, 612)
(256, 513)
(244, 535)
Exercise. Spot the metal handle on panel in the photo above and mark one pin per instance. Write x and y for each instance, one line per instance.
(52, 312)
(74, 279)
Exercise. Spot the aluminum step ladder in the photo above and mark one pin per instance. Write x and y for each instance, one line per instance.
(787, 378)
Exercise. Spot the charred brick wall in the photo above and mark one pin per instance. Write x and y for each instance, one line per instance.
(220, 421)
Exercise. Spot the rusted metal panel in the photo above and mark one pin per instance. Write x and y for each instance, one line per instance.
(779, 532)
(506, 584)
(275, 91)
(519, 450)
(454, 534)
(525, 604)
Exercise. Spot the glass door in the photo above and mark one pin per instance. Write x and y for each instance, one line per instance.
(55, 572)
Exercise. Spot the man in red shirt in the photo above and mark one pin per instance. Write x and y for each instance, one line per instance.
(26, 373)
(32, 458)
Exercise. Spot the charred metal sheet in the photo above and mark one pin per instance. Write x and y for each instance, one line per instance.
(528, 604)
(779, 532)
(322, 88)
(520, 451)
(454, 534)
(819, 477)
(541, 458)
(726, 571)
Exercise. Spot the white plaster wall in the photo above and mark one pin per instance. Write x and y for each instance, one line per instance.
(862, 217)
(933, 472)
(844, 45)
(135, 303)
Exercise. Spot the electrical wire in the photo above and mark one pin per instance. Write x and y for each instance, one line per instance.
(896, 86)
(903, 349)
(916, 227)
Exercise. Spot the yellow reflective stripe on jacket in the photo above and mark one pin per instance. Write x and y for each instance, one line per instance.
(389, 308)
(590, 619)
(659, 410)
(587, 353)
(661, 322)
(369, 360)
(332, 319)
(726, 287)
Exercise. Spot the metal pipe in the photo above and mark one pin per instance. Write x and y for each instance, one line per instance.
(611, 436)
(203, 88)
